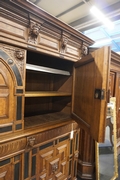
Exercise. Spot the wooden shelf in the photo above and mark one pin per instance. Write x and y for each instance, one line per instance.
(47, 119)
(45, 93)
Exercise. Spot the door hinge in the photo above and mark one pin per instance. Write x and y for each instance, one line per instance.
(99, 94)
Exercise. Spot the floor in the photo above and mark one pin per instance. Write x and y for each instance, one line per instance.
(118, 168)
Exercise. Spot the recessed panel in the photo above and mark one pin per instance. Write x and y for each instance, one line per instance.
(4, 108)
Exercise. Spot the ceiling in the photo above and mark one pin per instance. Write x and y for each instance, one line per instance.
(77, 14)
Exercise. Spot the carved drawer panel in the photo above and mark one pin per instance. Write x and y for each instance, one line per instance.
(54, 162)
(11, 148)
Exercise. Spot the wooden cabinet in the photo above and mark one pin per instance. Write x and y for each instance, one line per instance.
(53, 96)
(115, 89)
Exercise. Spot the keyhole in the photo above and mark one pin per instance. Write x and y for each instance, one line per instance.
(96, 95)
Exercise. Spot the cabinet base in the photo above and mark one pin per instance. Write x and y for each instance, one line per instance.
(86, 171)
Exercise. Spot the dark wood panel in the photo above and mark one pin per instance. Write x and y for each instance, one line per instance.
(91, 77)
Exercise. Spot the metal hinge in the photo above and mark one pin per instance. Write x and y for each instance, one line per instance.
(99, 94)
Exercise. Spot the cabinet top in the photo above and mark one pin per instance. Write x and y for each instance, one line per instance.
(24, 11)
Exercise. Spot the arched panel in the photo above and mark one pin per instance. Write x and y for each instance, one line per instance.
(14, 68)
(7, 101)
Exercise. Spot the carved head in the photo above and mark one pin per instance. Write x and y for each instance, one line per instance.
(19, 54)
(64, 42)
(84, 50)
(31, 143)
(35, 29)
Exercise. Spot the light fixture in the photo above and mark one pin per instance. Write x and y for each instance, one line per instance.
(99, 15)
(101, 42)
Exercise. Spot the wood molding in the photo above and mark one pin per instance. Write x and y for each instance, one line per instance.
(10, 148)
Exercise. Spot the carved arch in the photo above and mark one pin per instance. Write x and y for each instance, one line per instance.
(7, 99)
(12, 68)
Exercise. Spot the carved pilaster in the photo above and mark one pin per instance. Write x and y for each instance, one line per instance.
(86, 158)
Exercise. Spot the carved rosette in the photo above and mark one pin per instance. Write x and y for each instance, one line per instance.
(33, 32)
(17, 57)
(64, 41)
(84, 51)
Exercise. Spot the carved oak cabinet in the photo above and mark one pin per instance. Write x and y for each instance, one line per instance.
(53, 96)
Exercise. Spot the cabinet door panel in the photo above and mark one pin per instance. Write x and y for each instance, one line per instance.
(118, 107)
(88, 102)
(6, 95)
(112, 84)
(6, 172)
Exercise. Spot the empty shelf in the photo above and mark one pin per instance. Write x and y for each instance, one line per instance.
(45, 93)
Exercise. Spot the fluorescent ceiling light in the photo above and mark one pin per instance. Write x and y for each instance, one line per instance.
(99, 15)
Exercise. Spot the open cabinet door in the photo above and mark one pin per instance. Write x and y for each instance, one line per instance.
(90, 92)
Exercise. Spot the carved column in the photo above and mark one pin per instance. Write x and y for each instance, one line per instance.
(86, 160)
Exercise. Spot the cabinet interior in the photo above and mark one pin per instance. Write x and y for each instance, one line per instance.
(48, 89)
